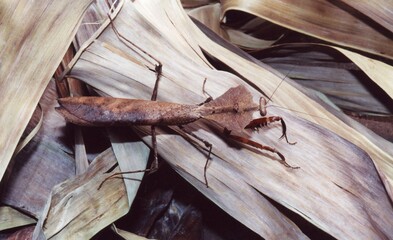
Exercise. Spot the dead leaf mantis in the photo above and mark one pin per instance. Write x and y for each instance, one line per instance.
(232, 110)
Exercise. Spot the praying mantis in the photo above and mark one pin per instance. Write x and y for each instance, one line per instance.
(232, 111)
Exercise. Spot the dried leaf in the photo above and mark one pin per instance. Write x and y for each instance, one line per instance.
(196, 3)
(25, 68)
(24, 233)
(125, 145)
(126, 235)
(377, 10)
(82, 206)
(378, 71)
(209, 15)
(11, 218)
(244, 36)
(44, 163)
(331, 21)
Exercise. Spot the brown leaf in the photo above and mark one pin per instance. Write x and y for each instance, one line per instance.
(30, 52)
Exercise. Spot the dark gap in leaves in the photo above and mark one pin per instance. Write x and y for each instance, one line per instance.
(383, 126)
(107, 233)
(299, 50)
(254, 26)
(167, 207)
(236, 19)
(96, 141)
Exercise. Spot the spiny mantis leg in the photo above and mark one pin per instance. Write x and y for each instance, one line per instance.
(258, 146)
(264, 121)
(207, 144)
(154, 165)
(124, 40)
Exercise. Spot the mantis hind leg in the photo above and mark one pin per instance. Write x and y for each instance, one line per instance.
(207, 144)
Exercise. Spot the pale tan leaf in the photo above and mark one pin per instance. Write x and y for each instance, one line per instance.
(196, 3)
(132, 155)
(80, 153)
(30, 52)
(380, 72)
(82, 206)
(379, 11)
(210, 16)
(327, 20)
(126, 235)
(11, 218)
(94, 17)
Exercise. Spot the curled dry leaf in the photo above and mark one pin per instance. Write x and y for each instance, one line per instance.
(378, 71)
(196, 3)
(11, 218)
(25, 68)
(77, 208)
(378, 10)
(331, 21)
(44, 163)
(126, 235)
(242, 37)
(210, 15)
